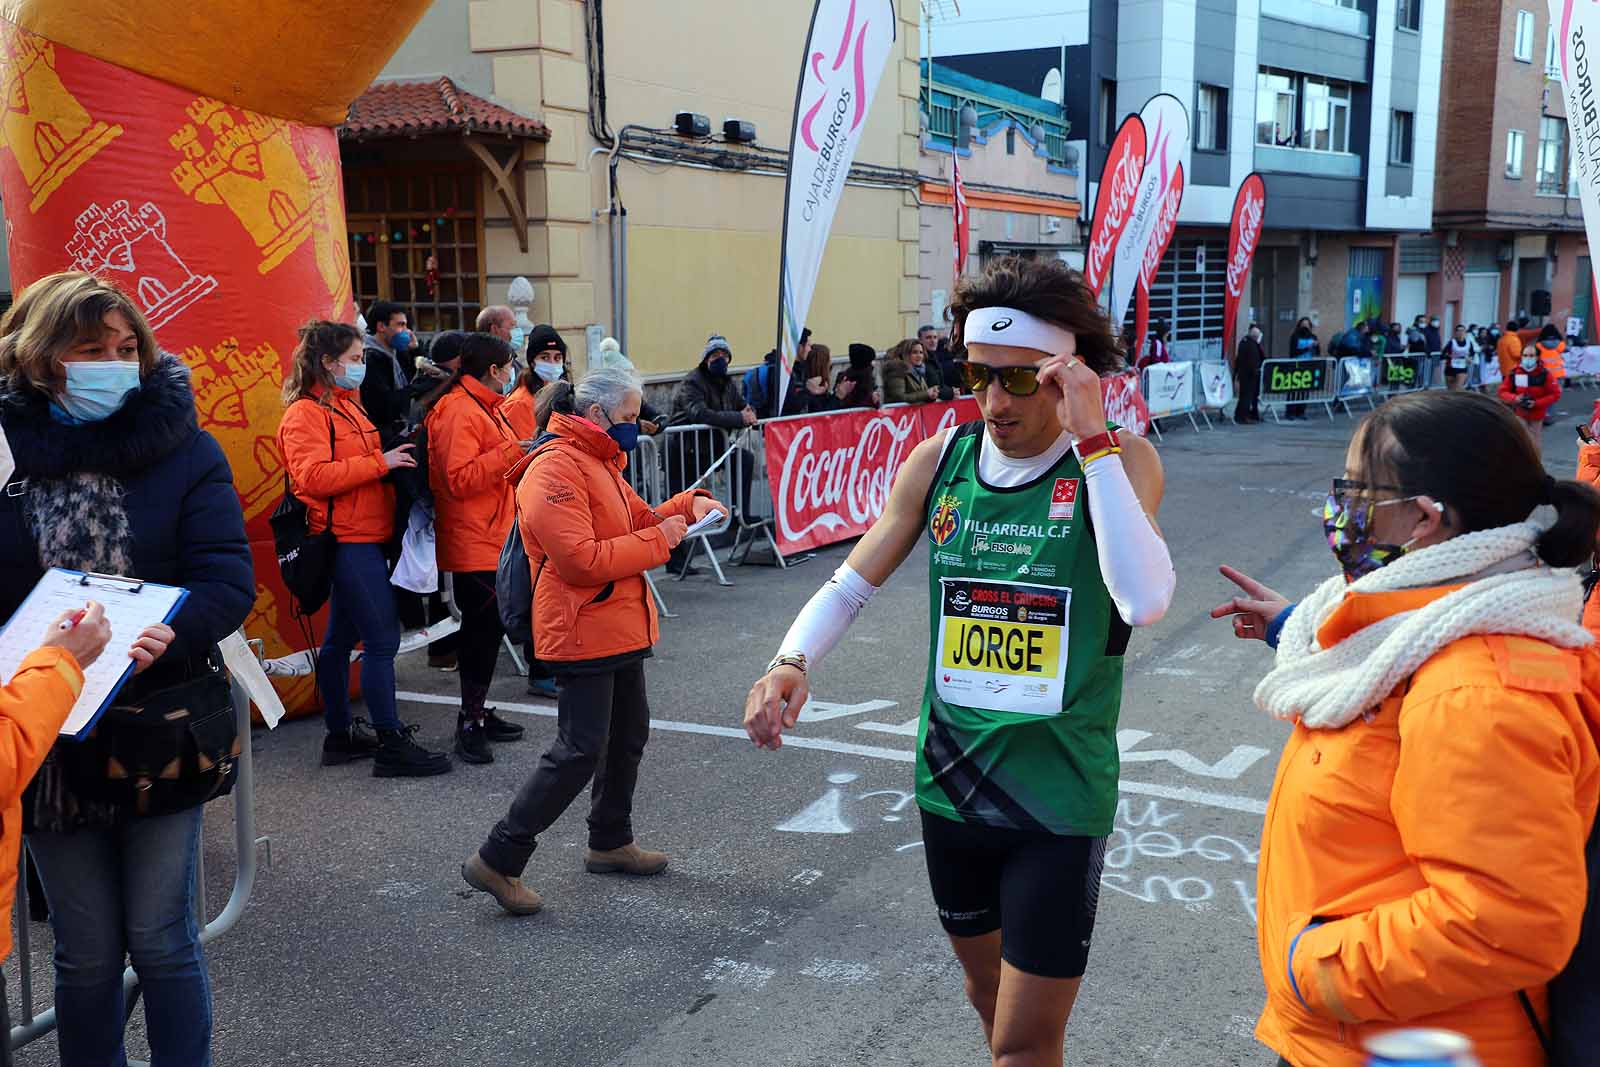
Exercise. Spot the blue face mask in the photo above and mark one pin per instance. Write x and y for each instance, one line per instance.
(625, 434)
(400, 341)
(97, 390)
(353, 374)
(517, 337)
(510, 371)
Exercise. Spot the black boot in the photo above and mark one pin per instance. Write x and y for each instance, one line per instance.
(399, 756)
(472, 741)
(498, 729)
(342, 746)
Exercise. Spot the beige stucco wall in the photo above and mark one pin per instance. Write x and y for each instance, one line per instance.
(703, 245)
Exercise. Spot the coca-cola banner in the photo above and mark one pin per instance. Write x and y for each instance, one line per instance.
(1113, 204)
(1249, 208)
(1166, 224)
(1124, 402)
(830, 475)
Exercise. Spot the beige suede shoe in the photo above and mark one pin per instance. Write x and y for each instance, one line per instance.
(511, 894)
(629, 859)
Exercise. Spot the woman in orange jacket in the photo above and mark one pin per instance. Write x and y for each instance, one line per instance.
(33, 707)
(336, 464)
(590, 538)
(471, 451)
(1422, 861)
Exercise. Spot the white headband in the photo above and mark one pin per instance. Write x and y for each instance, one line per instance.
(1018, 329)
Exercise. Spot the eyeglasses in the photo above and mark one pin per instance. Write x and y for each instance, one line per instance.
(1018, 381)
(1348, 491)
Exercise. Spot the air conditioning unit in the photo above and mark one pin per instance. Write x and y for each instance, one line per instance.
(1049, 224)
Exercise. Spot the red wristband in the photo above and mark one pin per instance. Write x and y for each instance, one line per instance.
(1100, 442)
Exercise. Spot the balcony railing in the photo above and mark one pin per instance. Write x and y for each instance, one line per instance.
(943, 108)
(1323, 14)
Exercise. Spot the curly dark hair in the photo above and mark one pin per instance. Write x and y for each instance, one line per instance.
(1047, 289)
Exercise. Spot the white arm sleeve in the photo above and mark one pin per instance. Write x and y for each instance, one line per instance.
(827, 615)
(1133, 558)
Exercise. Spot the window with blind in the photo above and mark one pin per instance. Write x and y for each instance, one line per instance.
(416, 239)
(1189, 289)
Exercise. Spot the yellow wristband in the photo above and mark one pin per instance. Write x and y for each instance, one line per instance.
(1091, 457)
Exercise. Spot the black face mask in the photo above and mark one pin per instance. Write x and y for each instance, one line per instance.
(717, 367)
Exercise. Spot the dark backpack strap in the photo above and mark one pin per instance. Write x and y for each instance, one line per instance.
(966, 429)
(1538, 1028)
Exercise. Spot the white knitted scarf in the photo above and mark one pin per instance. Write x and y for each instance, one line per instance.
(1327, 688)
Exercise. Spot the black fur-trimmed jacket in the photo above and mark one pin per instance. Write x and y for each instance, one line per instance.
(183, 513)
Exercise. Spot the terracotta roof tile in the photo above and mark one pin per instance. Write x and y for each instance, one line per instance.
(412, 108)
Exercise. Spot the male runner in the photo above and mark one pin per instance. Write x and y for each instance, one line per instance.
(1044, 552)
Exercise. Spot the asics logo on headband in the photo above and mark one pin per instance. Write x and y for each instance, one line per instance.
(999, 324)
(1015, 328)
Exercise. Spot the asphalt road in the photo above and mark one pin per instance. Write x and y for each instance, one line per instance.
(794, 925)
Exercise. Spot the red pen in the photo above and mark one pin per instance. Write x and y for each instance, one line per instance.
(72, 623)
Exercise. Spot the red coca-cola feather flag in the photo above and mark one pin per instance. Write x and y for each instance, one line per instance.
(1113, 204)
(1249, 209)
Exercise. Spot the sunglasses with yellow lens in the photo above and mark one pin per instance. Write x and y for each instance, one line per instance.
(1018, 381)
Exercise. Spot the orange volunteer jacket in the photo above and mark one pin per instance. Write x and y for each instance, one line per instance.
(351, 475)
(518, 410)
(1509, 352)
(590, 538)
(471, 446)
(32, 709)
(1441, 845)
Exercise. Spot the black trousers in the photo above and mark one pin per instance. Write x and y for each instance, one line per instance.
(603, 723)
(480, 634)
(1249, 377)
(5, 1015)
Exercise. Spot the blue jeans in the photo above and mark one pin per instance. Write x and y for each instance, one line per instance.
(120, 893)
(362, 608)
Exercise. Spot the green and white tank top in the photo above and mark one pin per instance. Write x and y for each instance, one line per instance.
(1024, 686)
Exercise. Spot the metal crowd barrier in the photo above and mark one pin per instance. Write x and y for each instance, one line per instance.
(1218, 401)
(1357, 381)
(723, 462)
(34, 1025)
(1410, 373)
(1279, 376)
(1172, 406)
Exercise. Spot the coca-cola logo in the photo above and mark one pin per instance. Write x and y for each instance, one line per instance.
(1250, 213)
(847, 485)
(1121, 398)
(1166, 223)
(1123, 186)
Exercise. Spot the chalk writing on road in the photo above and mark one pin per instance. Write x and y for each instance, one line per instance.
(1140, 834)
(826, 814)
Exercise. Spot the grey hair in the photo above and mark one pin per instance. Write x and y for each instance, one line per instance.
(606, 386)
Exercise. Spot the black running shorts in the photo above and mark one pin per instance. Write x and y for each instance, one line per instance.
(1039, 890)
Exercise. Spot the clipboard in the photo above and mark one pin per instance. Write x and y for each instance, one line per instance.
(131, 606)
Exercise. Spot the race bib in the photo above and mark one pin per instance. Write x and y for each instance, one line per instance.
(1520, 381)
(1458, 364)
(1002, 645)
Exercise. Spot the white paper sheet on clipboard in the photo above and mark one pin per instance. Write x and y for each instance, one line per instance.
(131, 606)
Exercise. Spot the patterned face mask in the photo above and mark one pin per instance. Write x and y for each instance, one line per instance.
(1347, 519)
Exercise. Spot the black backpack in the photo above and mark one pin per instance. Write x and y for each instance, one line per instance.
(305, 559)
(513, 585)
(1574, 1031)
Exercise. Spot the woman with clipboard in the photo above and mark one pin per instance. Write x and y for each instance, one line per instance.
(115, 476)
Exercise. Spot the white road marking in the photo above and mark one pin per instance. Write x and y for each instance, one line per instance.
(736, 972)
(842, 972)
(1226, 801)
(903, 729)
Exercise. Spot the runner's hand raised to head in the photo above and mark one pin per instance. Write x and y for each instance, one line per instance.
(1080, 406)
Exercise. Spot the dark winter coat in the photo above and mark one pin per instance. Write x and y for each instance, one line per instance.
(384, 391)
(182, 510)
(704, 400)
